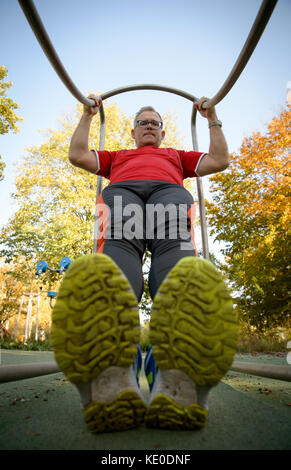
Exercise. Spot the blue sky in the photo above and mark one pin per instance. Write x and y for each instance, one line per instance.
(187, 44)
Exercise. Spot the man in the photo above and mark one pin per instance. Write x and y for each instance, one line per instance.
(96, 322)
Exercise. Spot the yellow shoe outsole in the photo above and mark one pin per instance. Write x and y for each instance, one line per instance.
(95, 326)
(125, 412)
(193, 326)
(165, 413)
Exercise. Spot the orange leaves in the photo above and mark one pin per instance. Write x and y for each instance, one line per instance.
(251, 214)
(265, 160)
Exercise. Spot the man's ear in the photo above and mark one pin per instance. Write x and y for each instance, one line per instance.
(163, 134)
(132, 133)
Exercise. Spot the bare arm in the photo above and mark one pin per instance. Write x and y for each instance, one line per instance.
(79, 153)
(217, 158)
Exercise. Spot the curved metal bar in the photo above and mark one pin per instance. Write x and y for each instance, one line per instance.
(253, 38)
(38, 28)
(125, 89)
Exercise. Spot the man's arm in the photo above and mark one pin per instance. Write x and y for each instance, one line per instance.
(217, 158)
(79, 153)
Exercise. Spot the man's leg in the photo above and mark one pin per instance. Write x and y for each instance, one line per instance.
(170, 237)
(122, 232)
(95, 332)
(95, 335)
(193, 328)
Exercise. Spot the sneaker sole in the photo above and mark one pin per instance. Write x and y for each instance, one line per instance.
(193, 328)
(95, 326)
(165, 413)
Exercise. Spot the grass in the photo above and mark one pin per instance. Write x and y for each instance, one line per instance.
(29, 346)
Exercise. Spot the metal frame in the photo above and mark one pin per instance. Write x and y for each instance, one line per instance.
(253, 38)
(8, 373)
(25, 371)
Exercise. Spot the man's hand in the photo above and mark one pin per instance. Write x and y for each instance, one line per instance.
(217, 158)
(92, 110)
(209, 113)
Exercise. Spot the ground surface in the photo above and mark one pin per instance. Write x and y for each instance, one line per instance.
(245, 413)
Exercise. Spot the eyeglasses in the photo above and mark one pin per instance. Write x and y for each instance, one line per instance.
(154, 124)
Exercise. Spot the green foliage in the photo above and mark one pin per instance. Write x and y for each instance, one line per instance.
(10, 290)
(2, 166)
(212, 258)
(29, 346)
(144, 336)
(8, 118)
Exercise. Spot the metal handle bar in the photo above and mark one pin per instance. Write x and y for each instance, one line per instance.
(253, 38)
(38, 28)
(125, 89)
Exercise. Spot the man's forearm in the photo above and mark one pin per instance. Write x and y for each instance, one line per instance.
(79, 142)
(218, 149)
(217, 158)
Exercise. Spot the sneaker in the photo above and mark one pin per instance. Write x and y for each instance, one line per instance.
(95, 332)
(194, 334)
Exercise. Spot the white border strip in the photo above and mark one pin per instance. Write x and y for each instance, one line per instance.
(97, 159)
(198, 163)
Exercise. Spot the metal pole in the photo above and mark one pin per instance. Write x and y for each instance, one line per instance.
(252, 40)
(18, 318)
(27, 323)
(199, 185)
(99, 179)
(263, 370)
(26, 371)
(37, 315)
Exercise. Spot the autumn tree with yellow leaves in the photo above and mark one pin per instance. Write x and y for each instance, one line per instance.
(250, 213)
(8, 118)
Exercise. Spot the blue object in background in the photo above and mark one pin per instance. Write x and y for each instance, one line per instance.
(41, 267)
(65, 263)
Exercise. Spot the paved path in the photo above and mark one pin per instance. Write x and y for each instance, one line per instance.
(246, 413)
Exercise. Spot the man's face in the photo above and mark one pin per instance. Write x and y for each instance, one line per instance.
(148, 135)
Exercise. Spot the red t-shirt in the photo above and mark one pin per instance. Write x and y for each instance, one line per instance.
(148, 163)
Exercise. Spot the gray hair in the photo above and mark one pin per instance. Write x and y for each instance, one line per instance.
(145, 108)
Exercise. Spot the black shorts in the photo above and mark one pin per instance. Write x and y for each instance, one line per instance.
(135, 215)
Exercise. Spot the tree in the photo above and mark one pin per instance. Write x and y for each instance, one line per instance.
(10, 291)
(57, 200)
(251, 215)
(8, 118)
(2, 166)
